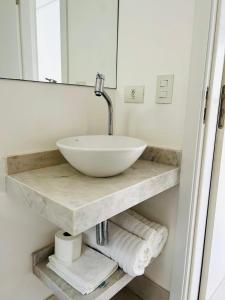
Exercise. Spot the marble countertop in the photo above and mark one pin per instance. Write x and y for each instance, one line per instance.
(76, 202)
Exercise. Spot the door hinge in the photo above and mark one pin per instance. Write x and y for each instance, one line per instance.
(206, 104)
(221, 115)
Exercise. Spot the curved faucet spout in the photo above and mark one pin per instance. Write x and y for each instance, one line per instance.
(110, 113)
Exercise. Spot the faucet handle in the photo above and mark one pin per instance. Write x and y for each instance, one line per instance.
(99, 84)
(100, 76)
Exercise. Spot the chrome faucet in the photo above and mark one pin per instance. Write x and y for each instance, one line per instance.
(102, 228)
(99, 91)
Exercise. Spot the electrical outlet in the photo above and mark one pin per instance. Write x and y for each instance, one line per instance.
(134, 94)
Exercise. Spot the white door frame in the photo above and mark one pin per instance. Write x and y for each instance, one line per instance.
(213, 272)
(199, 139)
(28, 30)
(64, 40)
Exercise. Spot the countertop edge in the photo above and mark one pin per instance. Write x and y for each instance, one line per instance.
(40, 204)
(134, 194)
(96, 211)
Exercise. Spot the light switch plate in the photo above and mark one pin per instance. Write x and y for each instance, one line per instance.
(164, 92)
(134, 94)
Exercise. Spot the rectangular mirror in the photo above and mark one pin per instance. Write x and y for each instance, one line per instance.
(63, 41)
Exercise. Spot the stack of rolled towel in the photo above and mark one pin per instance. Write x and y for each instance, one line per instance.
(153, 233)
(131, 253)
(133, 242)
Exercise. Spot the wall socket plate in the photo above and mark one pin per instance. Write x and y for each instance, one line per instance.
(134, 94)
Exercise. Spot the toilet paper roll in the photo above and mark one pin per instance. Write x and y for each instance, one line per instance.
(67, 247)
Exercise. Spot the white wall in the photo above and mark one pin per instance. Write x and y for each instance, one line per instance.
(155, 38)
(34, 115)
(22, 232)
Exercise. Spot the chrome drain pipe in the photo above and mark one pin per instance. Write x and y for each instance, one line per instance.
(102, 233)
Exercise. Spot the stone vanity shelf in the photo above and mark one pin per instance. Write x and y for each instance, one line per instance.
(63, 291)
(75, 202)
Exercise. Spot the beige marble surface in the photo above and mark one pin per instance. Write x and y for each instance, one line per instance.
(117, 281)
(32, 161)
(163, 155)
(64, 291)
(76, 202)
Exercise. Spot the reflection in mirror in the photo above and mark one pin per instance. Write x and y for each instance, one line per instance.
(63, 41)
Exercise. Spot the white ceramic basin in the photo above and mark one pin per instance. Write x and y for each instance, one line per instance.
(101, 155)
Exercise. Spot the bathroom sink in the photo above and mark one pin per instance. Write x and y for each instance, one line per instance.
(101, 155)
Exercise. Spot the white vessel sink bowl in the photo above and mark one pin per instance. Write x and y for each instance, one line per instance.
(101, 155)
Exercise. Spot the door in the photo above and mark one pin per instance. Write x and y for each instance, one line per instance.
(213, 270)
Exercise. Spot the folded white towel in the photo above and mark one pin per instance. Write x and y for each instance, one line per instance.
(87, 272)
(155, 234)
(132, 253)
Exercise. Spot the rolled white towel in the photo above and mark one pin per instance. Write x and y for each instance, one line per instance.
(155, 234)
(131, 253)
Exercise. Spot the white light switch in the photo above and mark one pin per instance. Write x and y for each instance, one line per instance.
(163, 94)
(163, 83)
(134, 94)
(164, 91)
